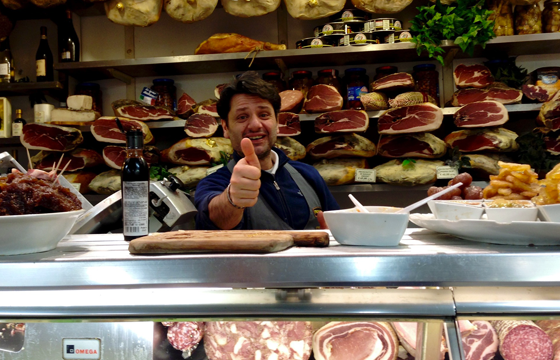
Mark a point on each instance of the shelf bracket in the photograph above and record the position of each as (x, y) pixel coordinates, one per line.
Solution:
(120, 76)
(282, 66)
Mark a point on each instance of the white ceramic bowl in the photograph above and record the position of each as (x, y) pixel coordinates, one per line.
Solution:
(25, 234)
(456, 209)
(507, 214)
(549, 212)
(380, 227)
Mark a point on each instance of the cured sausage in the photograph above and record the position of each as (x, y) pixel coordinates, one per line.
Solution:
(185, 336)
(522, 340)
(552, 328)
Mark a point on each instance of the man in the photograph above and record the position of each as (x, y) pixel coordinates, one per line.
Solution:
(260, 188)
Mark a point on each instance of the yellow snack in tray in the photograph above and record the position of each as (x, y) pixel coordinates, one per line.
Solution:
(549, 192)
(513, 182)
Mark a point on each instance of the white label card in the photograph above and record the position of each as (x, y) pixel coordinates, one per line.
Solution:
(81, 349)
(4, 70)
(214, 169)
(365, 175)
(76, 186)
(446, 172)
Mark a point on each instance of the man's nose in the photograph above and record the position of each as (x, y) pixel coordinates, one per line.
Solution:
(255, 122)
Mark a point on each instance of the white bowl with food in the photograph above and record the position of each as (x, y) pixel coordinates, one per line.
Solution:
(380, 227)
(511, 210)
(33, 233)
(549, 212)
(456, 209)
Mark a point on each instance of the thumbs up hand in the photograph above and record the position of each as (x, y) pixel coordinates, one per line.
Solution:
(245, 179)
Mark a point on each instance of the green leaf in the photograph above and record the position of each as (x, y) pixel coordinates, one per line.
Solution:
(408, 164)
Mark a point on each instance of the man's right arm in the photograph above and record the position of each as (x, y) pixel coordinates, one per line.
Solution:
(243, 191)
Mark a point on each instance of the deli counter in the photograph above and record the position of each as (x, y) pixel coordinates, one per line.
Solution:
(90, 288)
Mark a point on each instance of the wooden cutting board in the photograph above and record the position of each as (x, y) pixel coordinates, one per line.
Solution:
(226, 241)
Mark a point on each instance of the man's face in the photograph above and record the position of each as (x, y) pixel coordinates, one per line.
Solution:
(251, 117)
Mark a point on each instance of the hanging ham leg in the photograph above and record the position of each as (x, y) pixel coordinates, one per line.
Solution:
(230, 43)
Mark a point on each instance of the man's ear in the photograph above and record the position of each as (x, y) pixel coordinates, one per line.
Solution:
(225, 128)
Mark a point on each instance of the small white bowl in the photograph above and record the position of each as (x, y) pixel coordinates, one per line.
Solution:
(549, 212)
(509, 214)
(380, 227)
(25, 234)
(456, 209)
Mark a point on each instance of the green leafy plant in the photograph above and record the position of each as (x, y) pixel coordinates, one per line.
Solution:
(159, 172)
(532, 151)
(466, 24)
(457, 160)
(509, 73)
(224, 159)
(408, 164)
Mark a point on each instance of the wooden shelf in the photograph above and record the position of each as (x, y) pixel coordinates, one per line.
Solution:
(53, 88)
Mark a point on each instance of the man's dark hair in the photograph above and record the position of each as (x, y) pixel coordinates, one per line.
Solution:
(248, 83)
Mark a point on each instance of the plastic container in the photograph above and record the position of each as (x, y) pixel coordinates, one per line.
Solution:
(502, 15)
(356, 81)
(334, 28)
(318, 42)
(427, 80)
(167, 93)
(528, 19)
(93, 90)
(384, 24)
(301, 80)
(334, 39)
(551, 17)
(329, 77)
(275, 78)
(363, 38)
(350, 14)
(402, 36)
(384, 71)
(354, 26)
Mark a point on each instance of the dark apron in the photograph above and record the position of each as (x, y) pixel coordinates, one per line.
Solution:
(262, 217)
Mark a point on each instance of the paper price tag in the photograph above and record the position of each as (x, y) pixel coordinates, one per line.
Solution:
(446, 172)
(214, 169)
(76, 186)
(365, 175)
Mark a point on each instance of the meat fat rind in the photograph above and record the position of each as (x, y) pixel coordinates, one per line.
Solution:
(133, 12)
(313, 9)
(189, 11)
(251, 8)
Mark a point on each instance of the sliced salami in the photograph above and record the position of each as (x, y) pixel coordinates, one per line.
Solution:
(522, 340)
(552, 328)
(185, 336)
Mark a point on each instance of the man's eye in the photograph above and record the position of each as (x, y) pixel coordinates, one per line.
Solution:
(242, 118)
(265, 115)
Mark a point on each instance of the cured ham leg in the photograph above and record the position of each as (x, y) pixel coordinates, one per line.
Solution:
(230, 43)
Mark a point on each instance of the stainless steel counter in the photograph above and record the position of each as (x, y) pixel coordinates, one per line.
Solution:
(424, 258)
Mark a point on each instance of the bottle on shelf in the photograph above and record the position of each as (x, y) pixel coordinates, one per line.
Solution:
(7, 70)
(135, 186)
(68, 42)
(17, 124)
(44, 58)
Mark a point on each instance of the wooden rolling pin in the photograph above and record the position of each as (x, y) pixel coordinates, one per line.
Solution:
(226, 241)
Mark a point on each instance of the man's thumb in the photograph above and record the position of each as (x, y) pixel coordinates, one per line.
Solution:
(249, 152)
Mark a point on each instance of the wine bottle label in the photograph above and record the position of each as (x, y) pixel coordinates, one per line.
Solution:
(41, 67)
(135, 207)
(65, 55)
(4, 70)
(17, 129)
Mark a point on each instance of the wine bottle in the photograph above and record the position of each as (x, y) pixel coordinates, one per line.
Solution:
(44, 58)
(68, 42)
(7, 70)
(135, 187)
(17, 124)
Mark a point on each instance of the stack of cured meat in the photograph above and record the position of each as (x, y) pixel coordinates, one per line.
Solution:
(481, 116)
(302, 340)
(549, 117)
(405, 129)
(196, 153)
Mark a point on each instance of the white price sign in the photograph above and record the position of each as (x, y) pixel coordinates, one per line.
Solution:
(446, 172)
(365, 175)
(88, 349)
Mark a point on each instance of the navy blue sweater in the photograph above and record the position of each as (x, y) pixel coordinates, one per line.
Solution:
(288, 203)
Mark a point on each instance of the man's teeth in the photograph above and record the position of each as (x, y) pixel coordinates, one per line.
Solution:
(255, 137)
